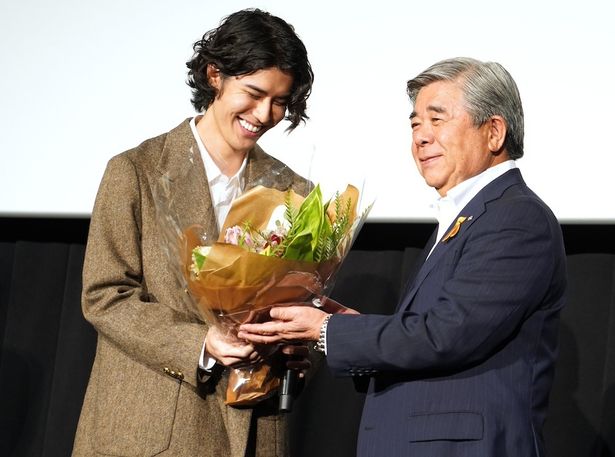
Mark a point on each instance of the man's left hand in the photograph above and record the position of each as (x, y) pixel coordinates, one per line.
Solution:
(298, 358)
(289, 324)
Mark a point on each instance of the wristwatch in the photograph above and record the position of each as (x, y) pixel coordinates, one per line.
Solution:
(321, 345)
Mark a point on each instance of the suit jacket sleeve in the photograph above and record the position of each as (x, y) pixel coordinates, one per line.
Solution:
(117, 299)
(507, 265)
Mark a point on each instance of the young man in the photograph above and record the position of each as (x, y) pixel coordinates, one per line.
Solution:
(154, 349)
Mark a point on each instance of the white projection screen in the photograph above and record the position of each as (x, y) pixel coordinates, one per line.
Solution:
(82, 81)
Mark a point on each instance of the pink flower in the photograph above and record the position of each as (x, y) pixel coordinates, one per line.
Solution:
(233, 235)
(247, 240)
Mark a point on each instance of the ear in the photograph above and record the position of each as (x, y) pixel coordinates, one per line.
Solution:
(213, 76)
(496, 133)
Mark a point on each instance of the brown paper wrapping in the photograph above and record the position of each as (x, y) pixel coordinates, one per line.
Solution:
(236, 286)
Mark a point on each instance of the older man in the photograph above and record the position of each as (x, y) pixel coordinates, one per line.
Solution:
(465, 365)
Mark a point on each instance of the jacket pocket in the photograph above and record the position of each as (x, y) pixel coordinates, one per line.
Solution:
(134, 409)
(454, 425)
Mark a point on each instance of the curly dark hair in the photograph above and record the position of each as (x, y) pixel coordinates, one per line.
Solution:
(245, 42)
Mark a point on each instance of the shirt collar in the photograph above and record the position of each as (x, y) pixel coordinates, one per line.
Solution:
(460, 195)
(447, 208)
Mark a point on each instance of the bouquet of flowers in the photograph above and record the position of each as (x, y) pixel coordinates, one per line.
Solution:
(275, 247)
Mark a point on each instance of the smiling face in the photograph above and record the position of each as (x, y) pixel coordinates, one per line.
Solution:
(244, 109)
(447, 148)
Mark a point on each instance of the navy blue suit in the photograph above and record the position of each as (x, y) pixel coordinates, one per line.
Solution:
(465, 365)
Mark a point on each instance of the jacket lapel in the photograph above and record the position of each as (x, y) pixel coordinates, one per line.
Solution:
(263, 170)
(184, 183)
(471, 212)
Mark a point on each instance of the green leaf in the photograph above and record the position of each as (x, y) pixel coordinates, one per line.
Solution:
(199, 255)
(308, 223)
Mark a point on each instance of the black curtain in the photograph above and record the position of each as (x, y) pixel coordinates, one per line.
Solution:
(47, 346)
(581, 419)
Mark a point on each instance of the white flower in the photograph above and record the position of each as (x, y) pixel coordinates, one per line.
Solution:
(277, 222)
(199, 254)
(203, 250)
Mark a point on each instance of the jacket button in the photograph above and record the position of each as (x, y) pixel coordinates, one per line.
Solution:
(175, 374)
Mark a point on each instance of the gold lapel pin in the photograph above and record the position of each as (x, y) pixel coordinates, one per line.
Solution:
(460, 220)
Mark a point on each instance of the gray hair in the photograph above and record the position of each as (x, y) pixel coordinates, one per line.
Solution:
(488, 89)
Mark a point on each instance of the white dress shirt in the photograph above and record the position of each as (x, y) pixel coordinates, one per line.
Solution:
(447, 208)
(223, 191)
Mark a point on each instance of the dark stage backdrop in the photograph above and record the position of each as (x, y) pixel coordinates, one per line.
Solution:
(47, 347)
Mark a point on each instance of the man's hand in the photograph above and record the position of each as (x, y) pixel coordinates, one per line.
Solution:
(298, 358)
(289, 324)
(231, 351)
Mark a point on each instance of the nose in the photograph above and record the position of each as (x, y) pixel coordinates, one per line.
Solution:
(422, 134)
(262, 111)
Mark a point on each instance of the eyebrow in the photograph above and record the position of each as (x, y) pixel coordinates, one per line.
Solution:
(264, 92)
(437, 109)
(434, 108)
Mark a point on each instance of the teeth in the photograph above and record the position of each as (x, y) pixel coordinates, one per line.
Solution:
(246, 125)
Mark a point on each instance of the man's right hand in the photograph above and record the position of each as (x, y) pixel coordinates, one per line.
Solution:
(230, 351)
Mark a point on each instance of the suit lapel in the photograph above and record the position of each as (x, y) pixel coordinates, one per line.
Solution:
(415, 267)
(262, 169)
(472, 212)
(185, 183)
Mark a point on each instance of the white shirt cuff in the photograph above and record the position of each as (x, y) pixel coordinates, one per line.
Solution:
(206, 362)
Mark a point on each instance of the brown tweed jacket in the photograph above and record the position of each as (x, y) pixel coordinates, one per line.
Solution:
(142, 398)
